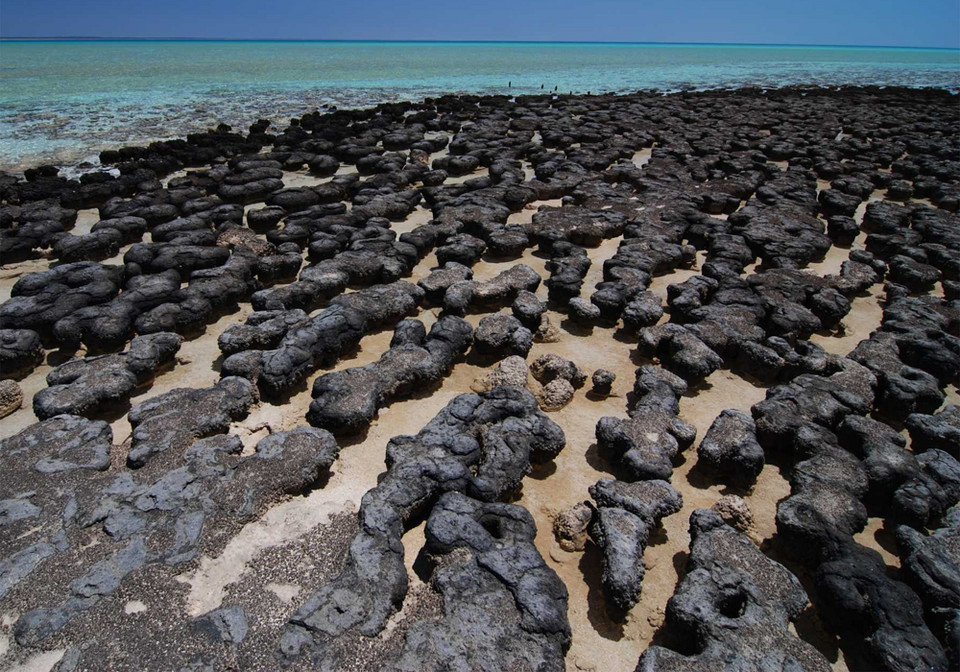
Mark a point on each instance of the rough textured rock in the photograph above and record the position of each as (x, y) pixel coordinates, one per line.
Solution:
(172, 421)
(228, 624)
(735, 512)
(602, 381)
(824, 401)
(901, 389)
(558, 378)
(932, 568)
(879, 619)
(436, 284)
(730, 448)
(582, 311)
(83, 535)
(333, 332)
(262, 330)
(626, 515)
(529, 309)
(547, 332)
(680, 351)
(462, 248)
(733, 606)
(500, 336)
(348, 400)
(162, 518)
(940, 431)
(580, 226)
(506, 286)
(567, 266)
(20, 351)
(82, 386)
(570, 527)
(39, 300)
(510, 371)
(644, 445)
(480, 445)
(924, 497)
(644, 310)
(503, 607)
(11, 397)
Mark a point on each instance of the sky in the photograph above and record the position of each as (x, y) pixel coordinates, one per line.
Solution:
(917, 23)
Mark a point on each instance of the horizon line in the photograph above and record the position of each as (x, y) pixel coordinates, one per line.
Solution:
(85, 38)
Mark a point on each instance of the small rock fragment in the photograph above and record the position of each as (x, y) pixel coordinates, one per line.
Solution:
(735, 512)
(570, 527)
(11, 397)
(602, 381)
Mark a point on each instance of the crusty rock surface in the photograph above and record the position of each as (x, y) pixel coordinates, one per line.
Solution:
(11, 397)
(60, 492)
(685, 236)
(570, 527)
(347, 401)
(645, 444)
(730, 448)
(602, 381)
(83, 386)
(734, 603)
(626, 515)
(173, 420)
(499, 336)
(510, 371)
(557, 380)
(479, 445)
(735, 512)
(484, 555)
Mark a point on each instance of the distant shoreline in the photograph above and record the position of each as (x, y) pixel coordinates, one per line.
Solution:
(78, 159)
(62, 97)
(765, 45)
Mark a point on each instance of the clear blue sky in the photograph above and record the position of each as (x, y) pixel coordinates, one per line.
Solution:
(922, 23)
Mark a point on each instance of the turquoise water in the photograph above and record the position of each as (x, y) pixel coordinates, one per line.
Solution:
(64, 100)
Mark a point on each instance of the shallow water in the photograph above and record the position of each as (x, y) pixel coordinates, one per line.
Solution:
(64, 100)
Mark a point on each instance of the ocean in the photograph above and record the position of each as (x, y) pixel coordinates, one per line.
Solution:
(64, 100)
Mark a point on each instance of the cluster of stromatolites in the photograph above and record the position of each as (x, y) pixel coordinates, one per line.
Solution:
(469, 228)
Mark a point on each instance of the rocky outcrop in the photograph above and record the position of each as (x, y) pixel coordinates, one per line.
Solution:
(499, 336)
(172, 421)
(931, 567)
(324, 338)
(498, 292)
(347, 401)
(83, 386)
(483, 554)
(644, 445)
(733, 604)
(730, 448)
(625, 516)
(162, 519)
(20, 351)
(479, 445)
